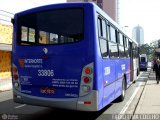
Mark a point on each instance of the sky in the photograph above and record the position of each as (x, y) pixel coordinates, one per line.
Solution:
(20, 5)
(145, 13)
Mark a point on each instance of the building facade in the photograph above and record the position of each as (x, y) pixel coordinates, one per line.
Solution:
(6, 30)
(109, 6)
(138, 34)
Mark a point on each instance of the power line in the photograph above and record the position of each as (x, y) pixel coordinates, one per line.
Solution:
(5, 20)
(46, 1)
(50, 1)
(42, 2)
(7, 12)
(35, 3)
(5, 15)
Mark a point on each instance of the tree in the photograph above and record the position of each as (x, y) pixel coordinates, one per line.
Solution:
(147, 49)
(144, 49)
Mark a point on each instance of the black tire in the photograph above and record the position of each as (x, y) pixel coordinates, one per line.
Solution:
(122, 96)
(134, 81)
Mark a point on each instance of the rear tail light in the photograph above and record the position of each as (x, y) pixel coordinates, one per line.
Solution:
(15, 78)
(86, 88)
(88, 70)
(16, 84)
(86, 80)
(14, 70)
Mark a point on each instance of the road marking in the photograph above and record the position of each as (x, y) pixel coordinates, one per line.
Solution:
(20, 106)
(130, 100)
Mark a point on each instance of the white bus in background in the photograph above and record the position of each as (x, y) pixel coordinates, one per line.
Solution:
(143, 64)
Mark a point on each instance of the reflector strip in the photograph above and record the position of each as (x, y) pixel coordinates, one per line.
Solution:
(84, 102)
(87, 102)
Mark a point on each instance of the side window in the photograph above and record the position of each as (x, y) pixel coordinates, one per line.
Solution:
(130, 46)
(102, 31)
(134, 50)
(99, 27)
(121, 38)
(113, 50)
(121, 51)
(121, 46)
(126, 42)
(112, 43)
(103, 46)
(108, 31)
(126, 47)
(113, 34)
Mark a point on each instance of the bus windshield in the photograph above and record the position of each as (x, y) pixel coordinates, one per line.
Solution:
(51, 27)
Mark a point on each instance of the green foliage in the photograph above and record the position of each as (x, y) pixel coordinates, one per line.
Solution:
(147, 49)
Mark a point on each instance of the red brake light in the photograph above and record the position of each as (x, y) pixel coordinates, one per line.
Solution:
(15, 77)
(86, 79)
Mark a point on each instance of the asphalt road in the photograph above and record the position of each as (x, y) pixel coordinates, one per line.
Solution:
(27, 112)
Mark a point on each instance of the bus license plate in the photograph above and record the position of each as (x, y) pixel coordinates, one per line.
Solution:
(46, 90)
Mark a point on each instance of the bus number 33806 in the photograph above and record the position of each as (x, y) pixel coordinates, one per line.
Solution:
(45, 72)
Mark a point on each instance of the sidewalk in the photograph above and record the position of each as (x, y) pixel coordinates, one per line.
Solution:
(150, 100)
(5, 84)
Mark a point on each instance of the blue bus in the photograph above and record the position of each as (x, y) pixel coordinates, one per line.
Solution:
(143, 62)
(71, 56)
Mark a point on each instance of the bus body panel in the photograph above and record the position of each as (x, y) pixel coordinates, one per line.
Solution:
(114, 72)
(56, 75)
(122, 69)
(109, 78)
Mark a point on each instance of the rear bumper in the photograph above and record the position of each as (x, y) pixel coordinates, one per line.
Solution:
(64, 103)
(143, 68)
(47, 102)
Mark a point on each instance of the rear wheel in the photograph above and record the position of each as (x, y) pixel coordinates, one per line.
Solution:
(122, 96)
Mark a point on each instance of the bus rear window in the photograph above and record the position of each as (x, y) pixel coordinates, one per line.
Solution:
(51, 27)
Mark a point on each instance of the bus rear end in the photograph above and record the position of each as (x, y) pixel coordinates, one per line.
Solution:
(52, 60)
(143, 62)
